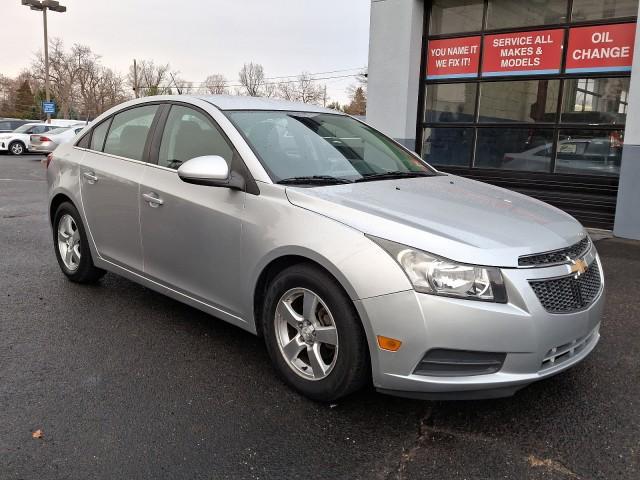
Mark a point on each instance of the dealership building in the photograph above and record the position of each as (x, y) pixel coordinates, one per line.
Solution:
(532, 95)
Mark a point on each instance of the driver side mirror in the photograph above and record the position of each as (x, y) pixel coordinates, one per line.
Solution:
(211, 170)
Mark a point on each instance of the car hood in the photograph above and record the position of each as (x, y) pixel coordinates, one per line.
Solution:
(453, 217)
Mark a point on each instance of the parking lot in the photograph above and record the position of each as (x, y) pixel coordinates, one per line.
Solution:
(126, 383)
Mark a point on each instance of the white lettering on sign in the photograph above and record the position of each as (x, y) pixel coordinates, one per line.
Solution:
(603, 52)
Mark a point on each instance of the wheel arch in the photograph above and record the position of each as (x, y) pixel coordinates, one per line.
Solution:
(280, 263)
(56, 201)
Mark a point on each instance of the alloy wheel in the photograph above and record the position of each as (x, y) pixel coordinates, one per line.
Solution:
(69, 242)
(306, 333)
(17, 148)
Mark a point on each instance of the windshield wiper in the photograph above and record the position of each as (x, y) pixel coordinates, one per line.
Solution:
(367, 177)
(314, 179)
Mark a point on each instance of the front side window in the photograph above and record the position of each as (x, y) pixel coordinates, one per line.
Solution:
(128, 133)
(189, 134)
(302, 144)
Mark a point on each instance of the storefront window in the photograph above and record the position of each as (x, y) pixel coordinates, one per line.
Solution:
(451, 102)
(448, 146)
(595, 100)
(589, 152)
(514, 149)
(456, 16)
(603, 9)
(508, 14)
(520, 101)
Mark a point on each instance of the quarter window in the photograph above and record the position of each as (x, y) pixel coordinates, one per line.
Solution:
(128, 133)
(99, 134)
(189, 134)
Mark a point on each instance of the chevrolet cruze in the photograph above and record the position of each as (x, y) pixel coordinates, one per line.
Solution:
(354, 259)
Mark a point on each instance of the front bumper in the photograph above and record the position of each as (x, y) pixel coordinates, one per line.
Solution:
(522, 329)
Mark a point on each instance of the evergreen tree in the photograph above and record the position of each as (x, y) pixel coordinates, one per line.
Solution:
(25, 104)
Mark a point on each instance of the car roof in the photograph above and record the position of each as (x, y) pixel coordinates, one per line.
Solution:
(239, 102)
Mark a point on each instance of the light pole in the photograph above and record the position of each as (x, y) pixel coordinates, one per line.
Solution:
(43, 6)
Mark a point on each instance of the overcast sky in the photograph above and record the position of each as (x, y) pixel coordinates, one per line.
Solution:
(201, 37)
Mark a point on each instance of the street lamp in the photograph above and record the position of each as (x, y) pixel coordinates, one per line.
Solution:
(43, 6)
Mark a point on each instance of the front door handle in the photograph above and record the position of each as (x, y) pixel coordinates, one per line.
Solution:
(152, 199)
(90, 176)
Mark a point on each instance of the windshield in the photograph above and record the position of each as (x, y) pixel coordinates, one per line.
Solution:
(308, 147)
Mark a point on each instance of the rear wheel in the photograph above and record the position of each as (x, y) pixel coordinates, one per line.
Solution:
(71, 246)
(313, 334)
(16, 148)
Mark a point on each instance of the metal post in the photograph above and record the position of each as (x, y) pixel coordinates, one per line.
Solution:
(46, 60)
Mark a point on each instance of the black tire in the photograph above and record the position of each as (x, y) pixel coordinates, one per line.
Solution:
(86, 271)
(351, 370)
(17, 148)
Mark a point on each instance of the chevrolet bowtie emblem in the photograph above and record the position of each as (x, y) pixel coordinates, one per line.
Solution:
(578, 267)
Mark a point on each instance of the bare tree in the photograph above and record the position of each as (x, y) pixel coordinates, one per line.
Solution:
(63, 75)
(308, 90)
(216, 84)
(251, 78)
(287, 91)
(152, 79)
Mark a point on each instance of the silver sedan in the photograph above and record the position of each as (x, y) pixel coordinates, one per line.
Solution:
(355, 260)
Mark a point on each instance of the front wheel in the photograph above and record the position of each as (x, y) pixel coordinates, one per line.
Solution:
(313, 334)
(16, 148)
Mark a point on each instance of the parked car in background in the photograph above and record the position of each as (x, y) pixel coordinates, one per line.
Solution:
(354, 259)
(10, 124)
(18, 141)
(48, 141)
(595, 156)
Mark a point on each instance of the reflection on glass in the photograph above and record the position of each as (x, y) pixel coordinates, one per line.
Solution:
(454, 16)
(589, 152)
(596, 100)
(448, 146)
(450, 103)
(507, 13)
(601, 9)
(514, 149)
(519, 101)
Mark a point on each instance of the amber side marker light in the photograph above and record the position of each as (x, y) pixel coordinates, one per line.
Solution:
(390, 344)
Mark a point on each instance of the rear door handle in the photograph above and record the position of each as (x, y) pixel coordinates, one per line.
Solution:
(90, 176)
(152, 199)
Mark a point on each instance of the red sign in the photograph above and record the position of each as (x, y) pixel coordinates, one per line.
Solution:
(453, 58)
(523, 53)
(605, 48)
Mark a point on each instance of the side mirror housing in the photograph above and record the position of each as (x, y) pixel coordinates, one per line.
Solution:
(211, 170)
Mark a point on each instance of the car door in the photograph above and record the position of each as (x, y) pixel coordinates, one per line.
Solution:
(110, 175)
(191, 233)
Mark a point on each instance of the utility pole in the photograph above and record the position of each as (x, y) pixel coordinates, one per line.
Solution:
(135, 78)
(43, 6)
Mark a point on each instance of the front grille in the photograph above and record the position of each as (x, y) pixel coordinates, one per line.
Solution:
(562, 353)
(556, 256)
(568, 294)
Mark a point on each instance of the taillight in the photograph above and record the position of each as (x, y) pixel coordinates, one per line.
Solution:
(48, 160)
(44, 139)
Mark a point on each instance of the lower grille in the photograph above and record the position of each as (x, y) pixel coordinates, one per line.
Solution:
(441, 362)
(562, 353)
(568, 294)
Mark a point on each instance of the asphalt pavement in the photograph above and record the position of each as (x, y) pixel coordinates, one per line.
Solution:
(125, 383)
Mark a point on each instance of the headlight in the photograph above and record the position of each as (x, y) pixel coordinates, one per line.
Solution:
(439, 276)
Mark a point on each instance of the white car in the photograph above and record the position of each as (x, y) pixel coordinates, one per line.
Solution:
(18, 141)
(47, 142)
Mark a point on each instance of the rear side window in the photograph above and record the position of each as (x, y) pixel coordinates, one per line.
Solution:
(129, 131)
(5, 126)
(99, 134)
(189, 134)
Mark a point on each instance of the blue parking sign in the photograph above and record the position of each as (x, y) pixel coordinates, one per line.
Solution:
(48, 107)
